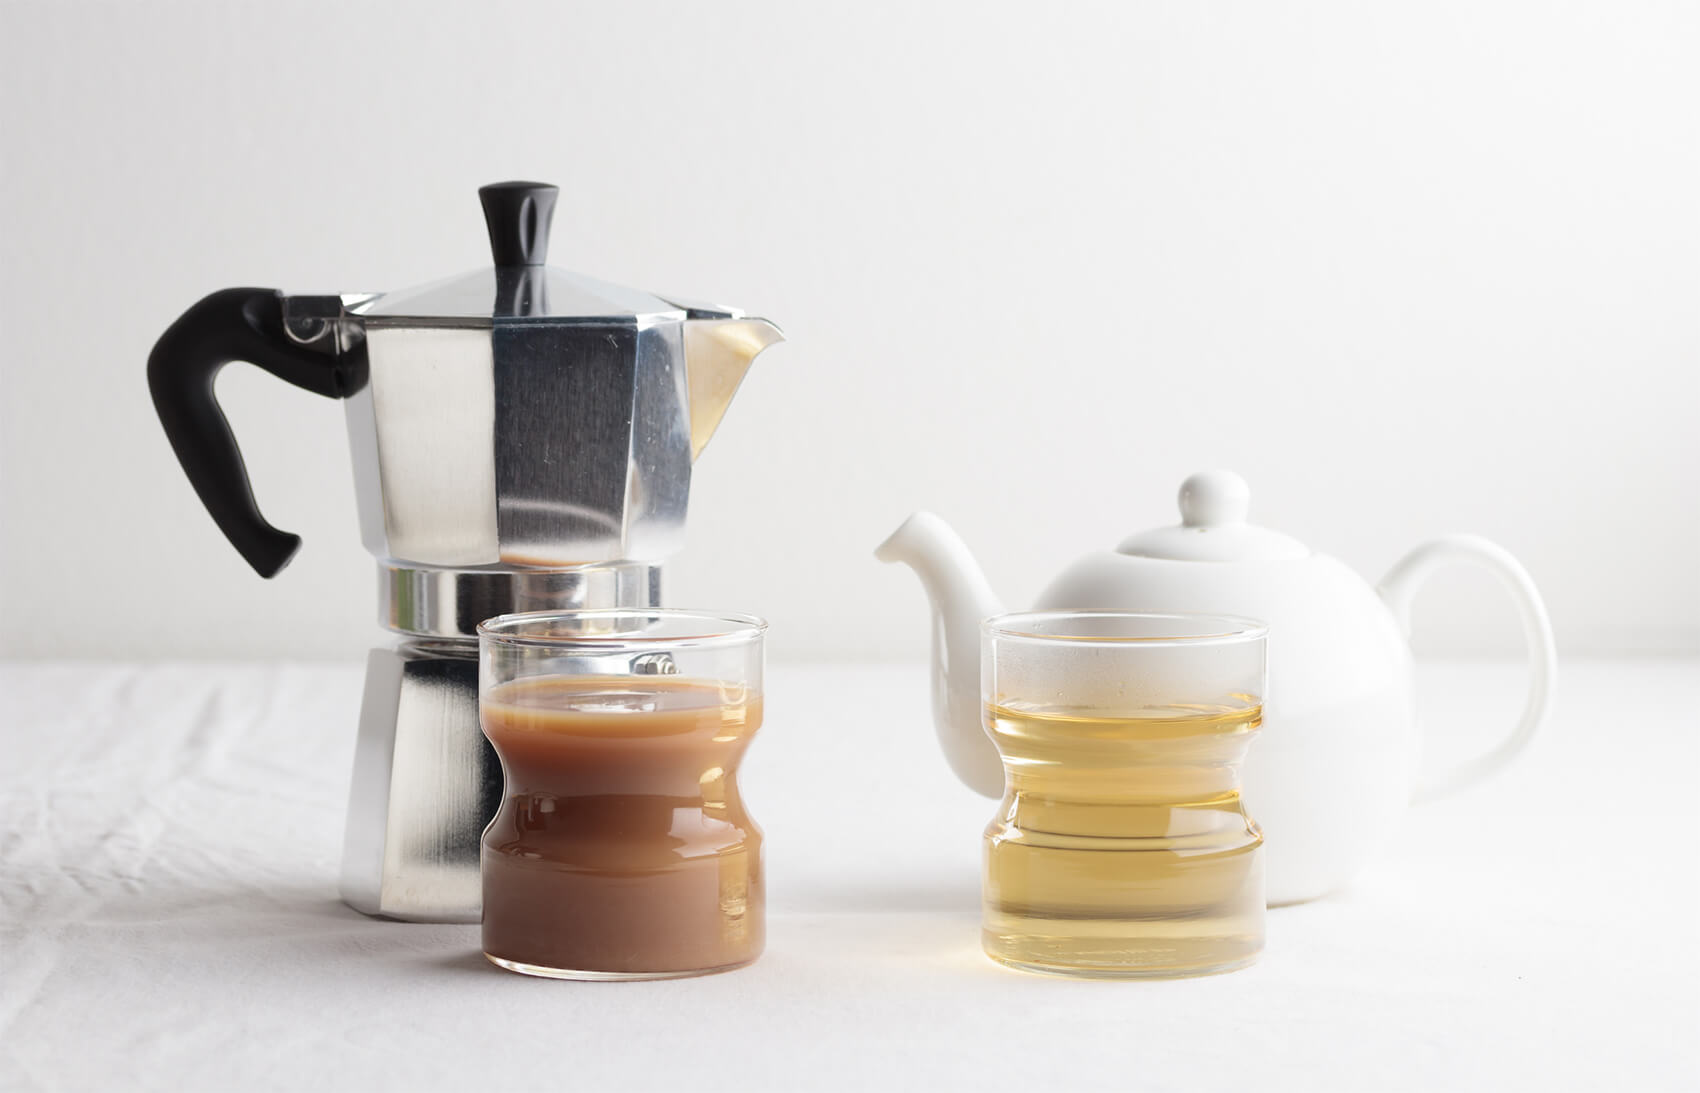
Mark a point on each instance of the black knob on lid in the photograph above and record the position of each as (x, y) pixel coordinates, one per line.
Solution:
(518, 216)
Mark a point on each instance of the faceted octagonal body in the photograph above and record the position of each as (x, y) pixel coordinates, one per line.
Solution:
(522, 443)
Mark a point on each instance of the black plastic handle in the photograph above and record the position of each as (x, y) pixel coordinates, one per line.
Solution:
(236, 324)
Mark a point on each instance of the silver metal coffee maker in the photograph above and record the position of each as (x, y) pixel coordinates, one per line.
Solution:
(522, 440)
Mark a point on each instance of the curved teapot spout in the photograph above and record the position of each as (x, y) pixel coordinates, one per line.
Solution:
(961, 599)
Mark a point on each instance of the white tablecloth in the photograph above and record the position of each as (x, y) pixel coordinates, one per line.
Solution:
(169, 839)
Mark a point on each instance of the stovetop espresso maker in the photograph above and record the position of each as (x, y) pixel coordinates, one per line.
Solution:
(522, 439)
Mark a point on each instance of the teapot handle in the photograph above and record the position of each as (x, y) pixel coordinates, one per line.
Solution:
(1399, 588)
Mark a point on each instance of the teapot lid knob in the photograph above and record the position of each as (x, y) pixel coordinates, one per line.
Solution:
(1214, 499)
(1213, 527)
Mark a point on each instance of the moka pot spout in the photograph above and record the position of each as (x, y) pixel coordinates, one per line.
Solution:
(961, 599)
(718, 352)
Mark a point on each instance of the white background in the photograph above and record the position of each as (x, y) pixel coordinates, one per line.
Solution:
(1411, 268)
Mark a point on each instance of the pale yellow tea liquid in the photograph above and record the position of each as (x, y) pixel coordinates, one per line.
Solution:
(1122, 849)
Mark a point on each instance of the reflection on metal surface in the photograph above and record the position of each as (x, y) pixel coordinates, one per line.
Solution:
(452, 602)
(430, 417)
(425, 784)
(554, 445)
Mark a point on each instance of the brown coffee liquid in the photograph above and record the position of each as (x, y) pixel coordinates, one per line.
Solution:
(622, 847)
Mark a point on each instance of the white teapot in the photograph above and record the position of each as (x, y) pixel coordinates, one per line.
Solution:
(1338, 757)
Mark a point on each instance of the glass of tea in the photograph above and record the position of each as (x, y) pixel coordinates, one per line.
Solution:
(621, 849)
(1121, 849)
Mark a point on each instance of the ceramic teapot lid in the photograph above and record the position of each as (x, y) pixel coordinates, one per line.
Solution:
(1213, 528)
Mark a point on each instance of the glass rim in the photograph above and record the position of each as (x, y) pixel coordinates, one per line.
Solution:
(721, 628)
(1229, 629)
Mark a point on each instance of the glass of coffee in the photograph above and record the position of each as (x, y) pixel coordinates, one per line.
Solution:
(621, 849)
(1121, 849)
